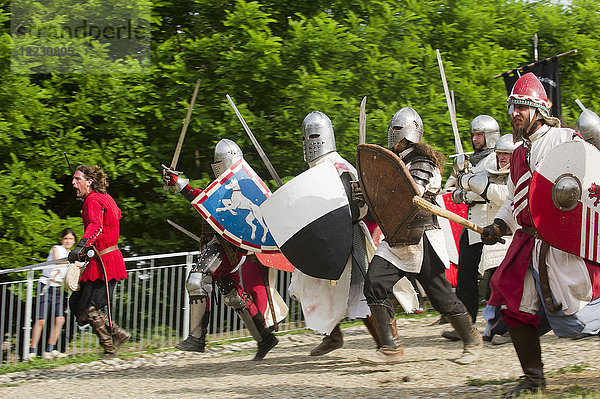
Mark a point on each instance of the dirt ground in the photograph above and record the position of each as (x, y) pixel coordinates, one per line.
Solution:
(288, 371)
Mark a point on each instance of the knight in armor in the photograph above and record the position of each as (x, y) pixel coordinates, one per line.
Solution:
(419, 254)
(484, 193)
(516, 284)
(318, 143)
(219, 264)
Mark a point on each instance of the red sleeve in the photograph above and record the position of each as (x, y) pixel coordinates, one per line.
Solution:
(190, 192)
(195, 191)
(92, 220)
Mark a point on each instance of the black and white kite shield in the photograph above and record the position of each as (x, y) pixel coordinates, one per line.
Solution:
(309, 218)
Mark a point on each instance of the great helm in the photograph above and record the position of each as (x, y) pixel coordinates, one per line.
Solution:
(406, 123)
(588, 124)
(488, 126)
(226, 154)
(528, 90)
(317, 136)
(505, 144)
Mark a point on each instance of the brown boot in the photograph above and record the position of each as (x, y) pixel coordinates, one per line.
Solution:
(526, 341)
(370, 324)
(119, 336)
(331, 342)
(472, 340)
(384, 355)
(395, 335)
(99, 323)
(391, 351)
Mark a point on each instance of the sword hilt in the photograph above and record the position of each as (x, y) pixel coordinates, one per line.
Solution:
(85, 256)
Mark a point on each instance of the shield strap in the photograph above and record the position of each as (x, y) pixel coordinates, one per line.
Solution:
(228, 248)
(544, 281)
(543, 271)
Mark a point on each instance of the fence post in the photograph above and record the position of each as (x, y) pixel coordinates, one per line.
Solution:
(189, 263)
(27, 318)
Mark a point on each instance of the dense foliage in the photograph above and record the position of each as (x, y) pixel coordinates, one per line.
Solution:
(278, 60)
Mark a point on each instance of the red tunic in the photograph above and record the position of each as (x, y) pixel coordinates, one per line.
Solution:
(101, 222)
(507, 282)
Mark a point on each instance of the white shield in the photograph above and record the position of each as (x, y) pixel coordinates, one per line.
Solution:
(309, 219)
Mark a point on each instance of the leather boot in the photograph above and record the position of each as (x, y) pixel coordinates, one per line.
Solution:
(370, 324)
(196, 344)
(268, 341)
(391, 351)
(472, 340)
(119, 336)
(395, 335)
(99, 323)
(332, 341)
(526, 341)
(450, 335)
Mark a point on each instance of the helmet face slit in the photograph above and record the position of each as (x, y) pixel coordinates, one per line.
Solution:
(405, 124)
(227, 153)
(318, 137)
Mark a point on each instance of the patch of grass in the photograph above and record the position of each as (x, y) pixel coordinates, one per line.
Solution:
(576, 368)
(576, 391)
(426, 314)
(477, 382)
(573, 392)
(40, 363)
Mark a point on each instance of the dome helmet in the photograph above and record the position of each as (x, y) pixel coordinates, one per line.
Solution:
(588, 124)
(227, 153)
(406, 123)
(505, 144)
(488, 126)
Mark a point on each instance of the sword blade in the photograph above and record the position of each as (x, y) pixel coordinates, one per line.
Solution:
(362, 122)
(35, 266)
(457, 142)
(183, 230)
(262, 154)
(185, 126)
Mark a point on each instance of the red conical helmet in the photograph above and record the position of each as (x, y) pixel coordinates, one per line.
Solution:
(528, 90)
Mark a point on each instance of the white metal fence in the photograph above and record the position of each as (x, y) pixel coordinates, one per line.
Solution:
(151, 303)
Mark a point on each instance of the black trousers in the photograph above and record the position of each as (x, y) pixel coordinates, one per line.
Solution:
(383, 275)
(91, 293)
(467, 277)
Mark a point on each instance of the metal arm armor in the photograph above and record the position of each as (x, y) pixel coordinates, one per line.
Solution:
(421, 170)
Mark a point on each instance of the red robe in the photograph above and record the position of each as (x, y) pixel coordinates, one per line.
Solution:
(101, 222)
(507, 282)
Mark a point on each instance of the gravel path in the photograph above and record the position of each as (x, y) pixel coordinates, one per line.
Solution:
(288, 371)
